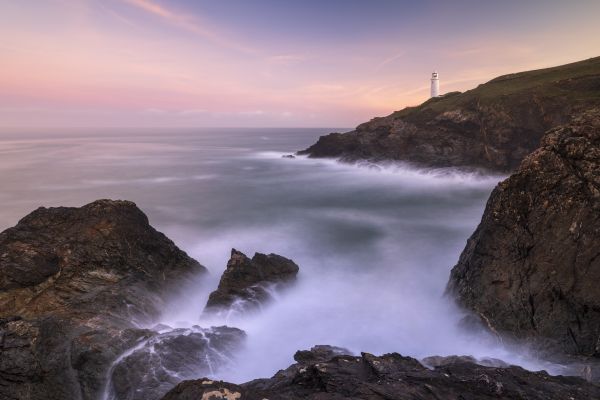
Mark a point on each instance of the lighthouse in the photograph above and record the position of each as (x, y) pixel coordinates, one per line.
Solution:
(435, 85)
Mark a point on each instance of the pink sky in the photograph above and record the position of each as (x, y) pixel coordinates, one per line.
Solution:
(178, 63)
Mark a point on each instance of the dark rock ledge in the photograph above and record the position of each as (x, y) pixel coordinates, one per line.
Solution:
(325, 376)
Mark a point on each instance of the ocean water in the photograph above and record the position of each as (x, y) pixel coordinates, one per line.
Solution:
(375, 244)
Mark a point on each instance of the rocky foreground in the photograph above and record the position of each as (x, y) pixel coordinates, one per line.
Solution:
(320, 374)
(77, 288)
(493, 126)
(532, 267)
(76, 284)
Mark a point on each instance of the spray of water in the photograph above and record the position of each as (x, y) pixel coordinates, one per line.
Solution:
(375, 247)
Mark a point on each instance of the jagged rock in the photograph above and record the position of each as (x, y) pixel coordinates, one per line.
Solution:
(166, 359)
(493, 126)
(73, 282)
(532, 267)
(438, 361)
(319, 353)
(392, 376)
(246, 283)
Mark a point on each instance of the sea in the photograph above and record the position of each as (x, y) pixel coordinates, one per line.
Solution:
(375, 243)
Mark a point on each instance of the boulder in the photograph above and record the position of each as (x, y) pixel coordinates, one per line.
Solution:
(531, 269)
(247, 284)
(391, 376)
(75, 285)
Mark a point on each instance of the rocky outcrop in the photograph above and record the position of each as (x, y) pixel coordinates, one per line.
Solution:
(75, 283)
(101, 259)
(248, 283)
(391, 376)
(493, 126)
(164, 360)
(532, 267)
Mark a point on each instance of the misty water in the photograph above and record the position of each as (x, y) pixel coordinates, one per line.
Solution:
(375, 245)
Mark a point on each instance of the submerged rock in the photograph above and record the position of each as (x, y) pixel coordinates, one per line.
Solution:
(73, 284)
(391, 376)
(247, 283)
(532, 267)
(164, 360)
(493, 126)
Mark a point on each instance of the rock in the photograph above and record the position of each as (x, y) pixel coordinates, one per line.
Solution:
(101, 259)
(392, 376)
(532, 267)
(493, 126)
(166, 359)
(205, 389)
(319, 353)
(247, 283)
(288, 156)
(438, 361)
(75, 283)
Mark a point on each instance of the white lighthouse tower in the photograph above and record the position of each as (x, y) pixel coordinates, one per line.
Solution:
(435, 85)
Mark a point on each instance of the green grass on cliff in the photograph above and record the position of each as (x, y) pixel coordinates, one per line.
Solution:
(579, 81)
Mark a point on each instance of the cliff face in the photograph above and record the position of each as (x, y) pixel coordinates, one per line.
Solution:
(73, 282)
(532, 267)
(493, 126)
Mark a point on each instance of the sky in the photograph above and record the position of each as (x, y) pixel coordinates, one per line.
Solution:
(266, 63)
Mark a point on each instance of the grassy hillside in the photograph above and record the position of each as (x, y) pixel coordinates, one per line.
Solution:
(550, 82)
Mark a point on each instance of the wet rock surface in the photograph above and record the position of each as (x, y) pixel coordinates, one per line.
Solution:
(247, 283)
(73, 284)
(166, 359)
(493, 126)
(532, 267)
(438, 361)
(392, 376)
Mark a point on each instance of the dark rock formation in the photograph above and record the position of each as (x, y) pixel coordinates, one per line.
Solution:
(493, 126)
(103, 258)
(319, 353)
(246, 283)
(164, 360)
(392, 376)
(438, 361)
(532, 267)
(73, 282)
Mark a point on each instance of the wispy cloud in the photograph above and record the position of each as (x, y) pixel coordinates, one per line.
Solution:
(389, 60)
(287, 59)
(190, 23)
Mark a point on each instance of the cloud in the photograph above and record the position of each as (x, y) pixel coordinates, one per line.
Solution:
(287, 59)
(154, 111)
(189, 23)
(197, 111)
(389, 60)
(253, 113)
